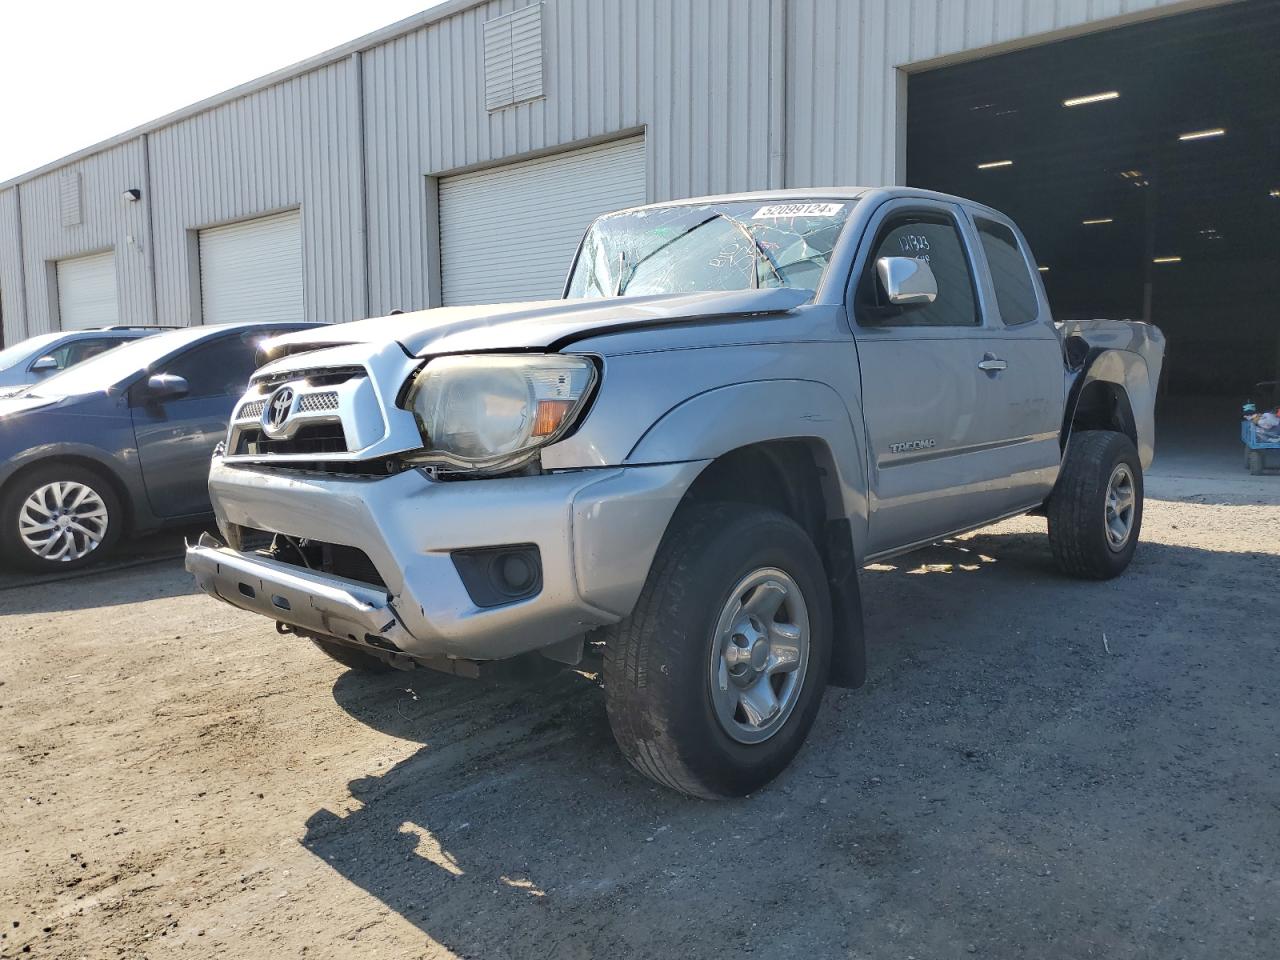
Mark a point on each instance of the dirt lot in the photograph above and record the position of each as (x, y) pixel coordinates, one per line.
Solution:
(1037, 768)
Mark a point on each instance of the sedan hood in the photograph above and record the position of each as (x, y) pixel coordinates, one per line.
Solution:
(539, 324)
(11, 405)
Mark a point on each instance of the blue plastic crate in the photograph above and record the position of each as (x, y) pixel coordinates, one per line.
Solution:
(1249, 434)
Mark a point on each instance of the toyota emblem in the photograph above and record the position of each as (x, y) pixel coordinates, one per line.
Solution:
(278, 409)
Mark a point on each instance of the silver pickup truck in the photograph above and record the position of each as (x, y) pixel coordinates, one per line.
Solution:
(739, 402)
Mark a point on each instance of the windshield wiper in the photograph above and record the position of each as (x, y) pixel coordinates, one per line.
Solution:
(757, 255)
(621, 285)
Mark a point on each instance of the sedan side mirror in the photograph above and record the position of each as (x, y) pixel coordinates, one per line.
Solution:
(907, 282)
(44, 364)
(166, 386)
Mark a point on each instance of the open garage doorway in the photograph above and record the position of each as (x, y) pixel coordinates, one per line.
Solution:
(1143, 164)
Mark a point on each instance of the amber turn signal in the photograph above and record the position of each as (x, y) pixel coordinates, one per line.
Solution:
(550, 416)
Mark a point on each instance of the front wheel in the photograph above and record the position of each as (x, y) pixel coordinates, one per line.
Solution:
(714, 680)
(59, 517)
(1095, 512)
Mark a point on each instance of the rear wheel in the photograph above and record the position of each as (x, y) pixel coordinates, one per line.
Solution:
(59, 517)
(714, 680)
(1256, 466)
(1095, 512)
(352, 657)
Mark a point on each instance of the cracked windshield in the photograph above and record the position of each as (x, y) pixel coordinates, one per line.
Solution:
(688, 248)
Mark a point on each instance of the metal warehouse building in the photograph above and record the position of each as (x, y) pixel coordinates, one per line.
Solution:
(457, 156)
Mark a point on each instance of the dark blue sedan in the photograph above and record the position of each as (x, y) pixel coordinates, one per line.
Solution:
(119, 444)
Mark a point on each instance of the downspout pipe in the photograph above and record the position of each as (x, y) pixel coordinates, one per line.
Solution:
(777, 94)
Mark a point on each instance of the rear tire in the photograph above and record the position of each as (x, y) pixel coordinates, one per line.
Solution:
(1256, 466)
(59, 517)
(351, 657)
(1095, 512)
(736, 597)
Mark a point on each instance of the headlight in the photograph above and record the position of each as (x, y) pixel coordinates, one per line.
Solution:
(490, 412)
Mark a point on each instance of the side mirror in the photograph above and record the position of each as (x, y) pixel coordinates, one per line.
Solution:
(907, 282)
(45, 364)
(166, 386)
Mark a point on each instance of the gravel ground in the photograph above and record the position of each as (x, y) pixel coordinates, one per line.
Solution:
(1037, 768)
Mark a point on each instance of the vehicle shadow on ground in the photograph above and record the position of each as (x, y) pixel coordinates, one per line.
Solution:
(100, 589)
(108, 583)
(1001, 786)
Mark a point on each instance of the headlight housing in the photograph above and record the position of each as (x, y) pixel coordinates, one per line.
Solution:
(492, 412)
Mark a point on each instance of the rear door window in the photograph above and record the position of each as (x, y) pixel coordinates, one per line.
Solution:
(1010, 273)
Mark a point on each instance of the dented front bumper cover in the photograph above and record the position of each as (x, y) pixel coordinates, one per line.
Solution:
(596, 532)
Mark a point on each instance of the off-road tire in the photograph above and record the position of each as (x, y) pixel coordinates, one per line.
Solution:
(657, 662)
(14, 552)
(351, 657)
(1077, 508)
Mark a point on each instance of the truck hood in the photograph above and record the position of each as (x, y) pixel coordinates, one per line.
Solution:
(539, 324)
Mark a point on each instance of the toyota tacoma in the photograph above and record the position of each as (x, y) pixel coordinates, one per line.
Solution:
(739, 402)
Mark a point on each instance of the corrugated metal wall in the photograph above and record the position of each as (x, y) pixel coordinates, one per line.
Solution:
(845, 90)
(294, 145)
(12, 311)
(107, 222)
(693, 74)
(703, 79)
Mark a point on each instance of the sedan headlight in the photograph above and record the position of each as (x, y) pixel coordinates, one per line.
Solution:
(491, 412)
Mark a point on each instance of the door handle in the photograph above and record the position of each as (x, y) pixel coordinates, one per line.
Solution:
(992, 364)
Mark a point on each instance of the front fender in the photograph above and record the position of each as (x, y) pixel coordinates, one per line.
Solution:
(124, 470)
(718, 421)
(711, 424)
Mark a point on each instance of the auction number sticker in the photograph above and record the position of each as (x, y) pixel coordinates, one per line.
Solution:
(776, 210)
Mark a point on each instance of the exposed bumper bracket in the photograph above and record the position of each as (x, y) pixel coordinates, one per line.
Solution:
(318, 603)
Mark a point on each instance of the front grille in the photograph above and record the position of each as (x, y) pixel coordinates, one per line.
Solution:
(251, 410)
(311, 439)
(311, 402)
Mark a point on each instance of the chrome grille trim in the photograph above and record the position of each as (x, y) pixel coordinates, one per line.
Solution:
(318, 401)
(342, 411)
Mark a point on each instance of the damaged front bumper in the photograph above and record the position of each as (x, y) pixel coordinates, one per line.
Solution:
(595, 534)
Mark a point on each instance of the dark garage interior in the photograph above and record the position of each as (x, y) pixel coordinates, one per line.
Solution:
(1143, 164)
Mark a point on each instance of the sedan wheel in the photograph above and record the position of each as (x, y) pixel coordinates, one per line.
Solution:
(59, 517)
(63, 521)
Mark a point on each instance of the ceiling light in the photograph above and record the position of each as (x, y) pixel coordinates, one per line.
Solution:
(1275, 193)
(1202, 134)
(1130, 174)
(992, 164)
(1094, 223)
(1091, 98)
(1043, 269)
(1166, 260)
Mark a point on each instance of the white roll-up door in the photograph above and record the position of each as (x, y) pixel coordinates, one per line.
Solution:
(252, 270)
(510, 232)
(87, 292)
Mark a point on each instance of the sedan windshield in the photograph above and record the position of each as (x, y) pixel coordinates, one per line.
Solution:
(32, 347)
(108, 369)
(691, 248)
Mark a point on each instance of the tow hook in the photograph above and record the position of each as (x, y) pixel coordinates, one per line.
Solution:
(284, 629)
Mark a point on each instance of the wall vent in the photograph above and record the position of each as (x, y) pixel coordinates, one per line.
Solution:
(513, 58)
(69, 198)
